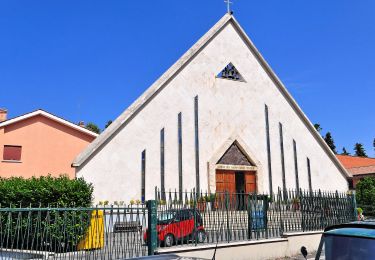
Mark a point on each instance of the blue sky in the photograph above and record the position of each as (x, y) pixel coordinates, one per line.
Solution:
(89, 60)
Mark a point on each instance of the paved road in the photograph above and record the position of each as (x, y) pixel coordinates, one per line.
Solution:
(300, 257)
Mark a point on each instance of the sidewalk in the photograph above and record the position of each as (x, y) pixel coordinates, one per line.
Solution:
(300, 257)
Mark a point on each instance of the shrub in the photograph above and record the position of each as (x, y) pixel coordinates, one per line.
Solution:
(45, 191)
(50, 230)
(365, 191)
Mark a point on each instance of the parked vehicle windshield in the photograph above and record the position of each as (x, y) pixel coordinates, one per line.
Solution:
(166, 216)
(346, 247)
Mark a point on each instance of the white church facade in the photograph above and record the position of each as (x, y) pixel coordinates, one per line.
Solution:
(218, 120)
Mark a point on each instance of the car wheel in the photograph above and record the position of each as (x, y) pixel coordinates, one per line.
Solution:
(169, 240)
(201, 236)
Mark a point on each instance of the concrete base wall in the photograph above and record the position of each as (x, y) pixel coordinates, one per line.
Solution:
(289, 245)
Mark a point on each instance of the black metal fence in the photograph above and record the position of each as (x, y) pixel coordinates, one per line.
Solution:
(322, 209)
(73, 233)
(226, 217)
(190, 218)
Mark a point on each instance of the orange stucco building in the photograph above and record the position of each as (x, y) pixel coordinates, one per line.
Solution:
(39, 143)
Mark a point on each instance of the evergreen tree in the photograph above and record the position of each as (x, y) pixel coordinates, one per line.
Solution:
(108, 123)
(359, 150)
(318, 128)
(93, 127)
(329, 140)
(373, 144)
(344, 152)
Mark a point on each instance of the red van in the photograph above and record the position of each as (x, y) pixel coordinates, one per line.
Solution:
(175, 225)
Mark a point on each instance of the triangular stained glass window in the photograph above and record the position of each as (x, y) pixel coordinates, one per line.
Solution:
(230, 72)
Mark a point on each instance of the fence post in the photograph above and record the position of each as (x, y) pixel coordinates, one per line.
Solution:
(152, 221)
(227, 205)
(265, 214)
(303, 206)
(354, 203)
(196, 194)
(321, 211)
(249, 219)
(337, 212)
(281, 215)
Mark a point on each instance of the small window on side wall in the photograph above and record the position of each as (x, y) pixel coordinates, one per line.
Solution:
(12, 153)
(351, 186)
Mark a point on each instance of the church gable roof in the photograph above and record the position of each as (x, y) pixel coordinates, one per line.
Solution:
(155, 88)
(133, 109)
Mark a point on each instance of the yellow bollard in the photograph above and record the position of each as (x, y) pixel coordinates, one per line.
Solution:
(94, 237)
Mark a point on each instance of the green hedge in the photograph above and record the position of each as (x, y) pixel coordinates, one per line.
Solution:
(46, 230)
(45, 191)
(365, 195)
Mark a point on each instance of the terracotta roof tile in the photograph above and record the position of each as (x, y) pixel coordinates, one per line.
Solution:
(362, 170)
(355, 161)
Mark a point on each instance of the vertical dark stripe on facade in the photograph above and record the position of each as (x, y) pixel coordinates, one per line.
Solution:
(196, 126)
(268, 148)
(143, 181)
(282, 155)
(162, 169)
(296, 163)
(309, 173)
(179, 136)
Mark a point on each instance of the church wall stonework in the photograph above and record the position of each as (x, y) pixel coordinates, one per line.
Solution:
(228, 111)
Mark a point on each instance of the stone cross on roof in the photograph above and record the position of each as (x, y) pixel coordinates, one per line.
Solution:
(228, 2)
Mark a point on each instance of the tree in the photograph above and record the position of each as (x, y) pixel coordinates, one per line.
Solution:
(93, 127)
(318, 128)
(359, 150)
(329, 140)
(365, 194)
(373, 144)
(108, 123)
(344, 152)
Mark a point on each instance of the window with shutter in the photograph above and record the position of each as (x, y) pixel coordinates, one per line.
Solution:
(12, 153)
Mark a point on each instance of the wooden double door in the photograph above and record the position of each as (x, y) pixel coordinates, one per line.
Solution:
(235, 181)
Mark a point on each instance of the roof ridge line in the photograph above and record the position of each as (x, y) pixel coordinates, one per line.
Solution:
(153, 89)
(50, 116)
